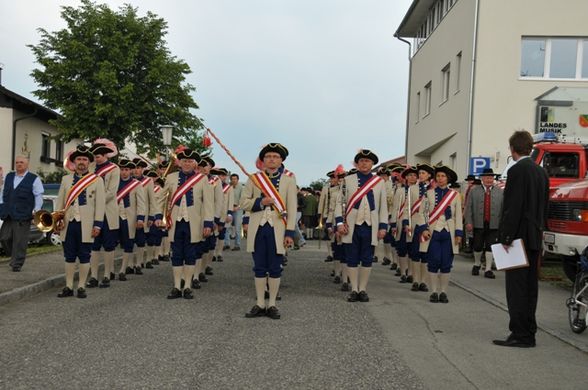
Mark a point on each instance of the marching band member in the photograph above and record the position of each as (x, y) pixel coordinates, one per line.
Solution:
(81, 196)
(155, 233)
(442, 234)
(191, 213)
(226, 216)
(337, 248)
(270, 198)
(103, 149)
(362, 219)
(323, 210)
(164, 248)
(130, 198)
(390, 240)
(150, 207)
(384, 173)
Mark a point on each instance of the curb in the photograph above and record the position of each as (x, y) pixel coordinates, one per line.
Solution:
(552, 332)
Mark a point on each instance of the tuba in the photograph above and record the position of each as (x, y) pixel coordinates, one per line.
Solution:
(46, 221)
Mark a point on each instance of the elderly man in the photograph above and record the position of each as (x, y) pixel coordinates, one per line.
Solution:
(22, 196)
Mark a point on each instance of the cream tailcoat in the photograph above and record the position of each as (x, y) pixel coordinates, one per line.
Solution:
(455, 223)
(111, 180)
(137, 207)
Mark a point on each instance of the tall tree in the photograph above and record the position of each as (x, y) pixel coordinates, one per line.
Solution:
(111, 75)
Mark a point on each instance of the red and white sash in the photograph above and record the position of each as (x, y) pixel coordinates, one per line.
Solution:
(288, 173)
(401, 210)
(79, 187)
(226, 188)
(181, 191)
(145, 181)
(263, 182)
(103, 171)
(361, 192)
(442, 206)
(213, 180)
(131, 185)
(156, 189)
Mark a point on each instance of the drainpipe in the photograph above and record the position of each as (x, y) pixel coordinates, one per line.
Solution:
(472, 86)
(14, 134)
(408, 94)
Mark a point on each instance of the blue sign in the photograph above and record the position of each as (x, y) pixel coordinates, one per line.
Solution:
(478, 164)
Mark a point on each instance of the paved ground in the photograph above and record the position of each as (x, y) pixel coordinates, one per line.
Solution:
(130, 336)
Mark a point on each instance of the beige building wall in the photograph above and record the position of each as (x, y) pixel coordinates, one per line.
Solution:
(503, 101)
(6, 136)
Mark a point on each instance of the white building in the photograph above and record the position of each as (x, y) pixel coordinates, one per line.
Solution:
(478, 70)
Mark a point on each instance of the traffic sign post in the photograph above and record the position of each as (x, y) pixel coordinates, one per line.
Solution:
(478, 164)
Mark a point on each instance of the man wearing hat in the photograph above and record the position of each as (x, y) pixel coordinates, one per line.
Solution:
(323, 205)
(191, 214)
(164, 249)
(226, 215)
(82, 199)
(390, 242)
(155, 233)
(270, 197)
(379, 251)
(130, 198)
(362, 220)
(106, 240)
(443, 231)
(400, 221)
(150, 207)
(482, 217)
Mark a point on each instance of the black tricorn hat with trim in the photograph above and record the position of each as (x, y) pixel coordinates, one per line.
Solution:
(451, 175)
(139, 163)
(274, 147)
(100, 149)
(188, 154)
(162, 165)
(220, 171)
(126, 163)
(331, 174)
(150, 173)
(206, 160)
(366, 153)
(81, 151)
(408, 170)
(426, 168)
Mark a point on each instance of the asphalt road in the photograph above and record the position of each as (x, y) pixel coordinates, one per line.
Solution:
(131, 336)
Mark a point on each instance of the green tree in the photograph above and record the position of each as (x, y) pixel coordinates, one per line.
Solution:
(318, 185)
(111, 75)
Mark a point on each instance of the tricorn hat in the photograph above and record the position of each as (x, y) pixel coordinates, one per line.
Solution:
(352, 171)
(366, 153)
(331, 174)
(426, 168)
(470, 177)
(397, 169)
(162, 165)
(81, 150)
(451, 175)
(188, 154)
(276, 148)
(206, 160)
(125, 163)
(220, 171)
(139, 162)
(150, 173)
(100, 148)
(383, 171)
(409, 169)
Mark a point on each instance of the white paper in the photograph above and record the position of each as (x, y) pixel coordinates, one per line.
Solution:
(514, 258)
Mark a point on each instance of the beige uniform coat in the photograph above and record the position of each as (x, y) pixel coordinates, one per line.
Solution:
(151, 206)
(92, 211)
(288, 191)
(379, 215)
(137, 207)
(111, 180)
(396, 215)
(228, 202)
(453, 224)
(202, 210)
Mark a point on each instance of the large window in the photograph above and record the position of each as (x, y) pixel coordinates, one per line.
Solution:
(59, 151)
(45, 148)
(554, 58)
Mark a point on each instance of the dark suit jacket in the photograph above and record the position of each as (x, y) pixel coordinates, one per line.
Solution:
(524, 209)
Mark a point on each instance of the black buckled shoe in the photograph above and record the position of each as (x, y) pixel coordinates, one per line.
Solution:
(423, 287)
(202, 277)
(398, 273)
(353, 297)
(164, 258)
(386, 261)
(409, 279)
(196, 284)
(155, 262)
(255, 311)
(273, 313)
(329, 259)
(112, 276)
(375, 259)
(403, 279)
(188, 294)
(345, 286)
(208, 271)
(443, 298)
(174, 294)
(66, 292)
(363, 297)
(476, 270)
(214, 258)
(138, 271)
(415, 287)
(82, 292)
(148, 265)
(337, 279)
(122, 277)
(92, 282)
(129, 270)
(489, 275)
(434, 298)
(219, 259)
(394, 267)
(105, 283)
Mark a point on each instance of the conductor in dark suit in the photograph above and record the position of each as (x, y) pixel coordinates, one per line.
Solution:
(523, 216)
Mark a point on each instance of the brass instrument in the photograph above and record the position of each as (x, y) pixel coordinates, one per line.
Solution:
(46, 221)
(165, 219)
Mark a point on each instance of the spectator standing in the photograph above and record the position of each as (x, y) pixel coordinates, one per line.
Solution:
(236, 226)
(309, 213)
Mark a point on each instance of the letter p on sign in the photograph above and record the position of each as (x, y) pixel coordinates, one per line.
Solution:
(478, 164)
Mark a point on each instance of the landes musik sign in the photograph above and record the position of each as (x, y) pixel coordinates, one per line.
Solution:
(555, 127)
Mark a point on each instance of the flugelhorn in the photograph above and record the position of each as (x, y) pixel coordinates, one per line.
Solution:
(46, 221)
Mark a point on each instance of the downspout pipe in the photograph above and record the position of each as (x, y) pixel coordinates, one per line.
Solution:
(408, 94)
(472, 87)
(14, 134)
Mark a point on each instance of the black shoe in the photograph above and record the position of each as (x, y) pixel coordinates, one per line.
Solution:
(196, 284)
(188, 294)
(82, 292)
(155, 262)
(363, 297)
(164, 258)
(332, 273)
(394, 267)
(403, 279)
(112, 276)
(93, 282)
(214, 258)
(278, 297)
(423, 287)
(208, 271)
(386, 261)
(476, 270)
(219, 259)
(226, 247)
(443, 298)
(255, 311)
(66, 292)
(434, 298)
(174, 294)
(489, 275)
(16, 269)
(236, 249)
(148, 265)
(512, 342)
(329, 259)
(122, 277)
(337, 279)
(202, 277)
(138, 271)
(409, 279)
(345, 287)
(375, 259)
(105, 283)
(273, 313)
(129, 270)
(415, 287)
(353, 297)
(398, 273)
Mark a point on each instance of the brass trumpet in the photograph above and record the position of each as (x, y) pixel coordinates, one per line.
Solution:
(46, 221)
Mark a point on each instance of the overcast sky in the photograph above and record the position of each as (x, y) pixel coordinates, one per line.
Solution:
(323, 77)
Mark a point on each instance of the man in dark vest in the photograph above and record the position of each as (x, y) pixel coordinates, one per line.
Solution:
(22, 196)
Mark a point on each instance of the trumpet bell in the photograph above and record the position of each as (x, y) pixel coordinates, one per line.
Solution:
(43, 220)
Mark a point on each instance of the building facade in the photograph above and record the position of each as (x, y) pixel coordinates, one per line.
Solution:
(477, 69)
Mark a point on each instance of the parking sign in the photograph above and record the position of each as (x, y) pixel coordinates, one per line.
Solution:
(478, 164)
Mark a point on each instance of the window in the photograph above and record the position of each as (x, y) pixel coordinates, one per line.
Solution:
(59, 150)
(445, 82)
(46, 148)
(457, 71)
(428, 98)
(554, 58)
(452, 158)
(418, 106)
(561, 164)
